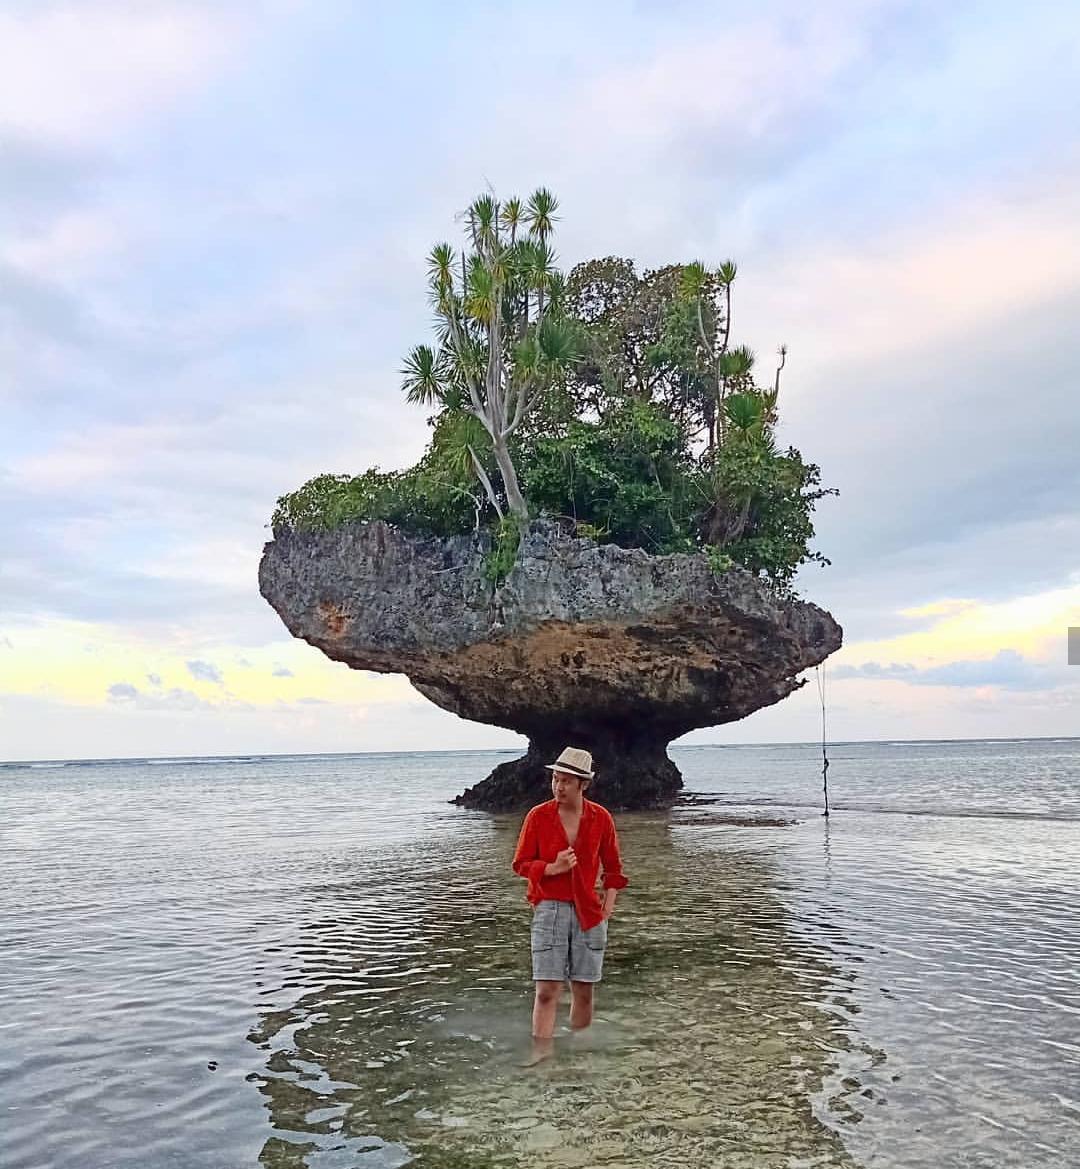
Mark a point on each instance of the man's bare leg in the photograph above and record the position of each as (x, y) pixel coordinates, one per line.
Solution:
(581, 1004)
(546, 1008)
(545, 1011)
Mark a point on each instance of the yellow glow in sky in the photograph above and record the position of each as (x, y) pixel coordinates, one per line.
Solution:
(78, 662)
(964, 629)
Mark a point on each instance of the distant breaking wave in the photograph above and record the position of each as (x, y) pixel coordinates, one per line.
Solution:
(721, 800)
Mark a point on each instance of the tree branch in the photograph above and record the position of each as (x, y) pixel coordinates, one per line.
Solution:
(701, 325)
(482, 475)
(463, 365)
(783, 362)
(520, 407)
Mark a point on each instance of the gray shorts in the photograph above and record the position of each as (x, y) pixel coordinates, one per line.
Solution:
(561, 949)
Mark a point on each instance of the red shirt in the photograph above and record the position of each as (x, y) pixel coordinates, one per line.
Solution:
(541, 840)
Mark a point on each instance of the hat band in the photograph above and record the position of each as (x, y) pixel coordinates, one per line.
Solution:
(569, 769)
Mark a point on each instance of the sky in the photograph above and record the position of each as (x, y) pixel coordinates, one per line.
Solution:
(213, 224)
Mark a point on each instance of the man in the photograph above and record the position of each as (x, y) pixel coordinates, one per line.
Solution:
(561, 848)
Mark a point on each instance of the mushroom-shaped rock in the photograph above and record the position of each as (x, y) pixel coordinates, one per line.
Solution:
(597, 646)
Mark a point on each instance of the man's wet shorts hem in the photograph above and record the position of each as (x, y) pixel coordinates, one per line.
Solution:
(561, 949)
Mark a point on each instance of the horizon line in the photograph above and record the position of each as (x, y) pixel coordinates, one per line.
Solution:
(262, 755)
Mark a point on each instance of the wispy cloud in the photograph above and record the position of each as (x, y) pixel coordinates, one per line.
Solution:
(77, 72)
(175, 699)
(1007, 669)
(205, 672)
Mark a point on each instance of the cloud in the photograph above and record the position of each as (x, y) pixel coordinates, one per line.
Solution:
(154, 679)
(75, 240)
(205, 672)
(181, 507)
(946, 607)
(282, 672)
(86, 555)
(112, 729)
(873, 670)
(776, 76)
(174, 699)
(73, 72)
(204, 299)
(36, 309)
(1007, 670)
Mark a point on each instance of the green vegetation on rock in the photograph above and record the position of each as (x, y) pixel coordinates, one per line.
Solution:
(613, 401)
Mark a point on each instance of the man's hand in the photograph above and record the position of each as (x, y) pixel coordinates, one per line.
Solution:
(608, 906)
(563, 863)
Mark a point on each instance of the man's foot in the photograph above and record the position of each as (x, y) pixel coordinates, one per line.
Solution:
(541, 1049)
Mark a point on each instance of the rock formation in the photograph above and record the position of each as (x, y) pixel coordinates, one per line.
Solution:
(597, 646)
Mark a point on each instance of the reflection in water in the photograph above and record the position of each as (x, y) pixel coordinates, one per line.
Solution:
(715, 1028)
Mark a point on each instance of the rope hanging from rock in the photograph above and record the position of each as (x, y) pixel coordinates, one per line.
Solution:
(820, 672)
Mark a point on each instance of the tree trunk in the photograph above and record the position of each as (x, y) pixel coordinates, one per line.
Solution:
(514, 499)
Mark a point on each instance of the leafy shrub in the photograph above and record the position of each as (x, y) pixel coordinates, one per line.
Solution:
(308, 508)
(506, 539)
(624, 475)
(414, 501)
(719, 562)
(760, 510)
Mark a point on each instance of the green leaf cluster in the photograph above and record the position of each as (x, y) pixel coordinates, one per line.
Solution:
(759, 512)
(614, 400)
(413, 501)
(505, 541)
(625, 476)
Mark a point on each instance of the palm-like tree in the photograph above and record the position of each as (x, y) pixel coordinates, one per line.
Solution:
(540, 213)
(738, 415)
(513, 216)
(502, 337)
(749, 416)
(710, 294)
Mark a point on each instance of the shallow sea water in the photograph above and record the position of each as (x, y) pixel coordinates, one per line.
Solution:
(318, 962)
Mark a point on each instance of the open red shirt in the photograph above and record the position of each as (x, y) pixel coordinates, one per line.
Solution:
(541, 840)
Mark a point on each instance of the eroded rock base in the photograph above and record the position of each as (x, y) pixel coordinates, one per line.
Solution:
(630, 775)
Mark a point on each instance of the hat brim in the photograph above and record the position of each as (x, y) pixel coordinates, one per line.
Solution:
(567, 769)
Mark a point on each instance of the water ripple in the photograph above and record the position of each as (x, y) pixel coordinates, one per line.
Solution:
(316, 962)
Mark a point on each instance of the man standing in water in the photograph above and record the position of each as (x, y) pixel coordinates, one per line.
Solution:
(561, 848)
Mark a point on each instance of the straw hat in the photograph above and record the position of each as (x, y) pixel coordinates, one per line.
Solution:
(573, 761)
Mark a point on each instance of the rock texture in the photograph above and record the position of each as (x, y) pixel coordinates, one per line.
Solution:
(593, 645)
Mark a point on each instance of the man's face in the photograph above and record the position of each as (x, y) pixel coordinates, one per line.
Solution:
(565, 787)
